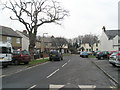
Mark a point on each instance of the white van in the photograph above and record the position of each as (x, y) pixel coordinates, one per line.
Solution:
(5, 53)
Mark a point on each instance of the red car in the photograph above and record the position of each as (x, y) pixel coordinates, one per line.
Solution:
(111, 52)
(22, 56)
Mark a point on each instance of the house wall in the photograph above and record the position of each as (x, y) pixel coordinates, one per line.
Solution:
(107, 45)
(116, 44)
(14, 43)
(88, 48)
(25, 41)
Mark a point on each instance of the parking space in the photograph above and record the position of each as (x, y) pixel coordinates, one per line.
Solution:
(12, 69)
(112, 71)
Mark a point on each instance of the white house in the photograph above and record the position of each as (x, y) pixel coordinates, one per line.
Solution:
(25, 40)
(110, 40)
(87, 47)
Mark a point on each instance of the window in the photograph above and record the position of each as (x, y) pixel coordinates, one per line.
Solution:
(9, 39)
(25, 52)
(96, 44)
(96, 49)
(18, 40)
(16, 52)
(5, 50)
(118, 41)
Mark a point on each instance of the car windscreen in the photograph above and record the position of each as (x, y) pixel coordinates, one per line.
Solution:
(5, 50)
(16, 52)
(25, 52)
(114, 53)
(54, 52)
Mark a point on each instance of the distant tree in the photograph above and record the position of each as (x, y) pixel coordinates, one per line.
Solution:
(35, 13)
(75, 44)
(82, 39)
(90, 39)
(60, 43)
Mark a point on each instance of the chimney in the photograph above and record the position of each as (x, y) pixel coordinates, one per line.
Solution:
(104, 29)
(25, 32)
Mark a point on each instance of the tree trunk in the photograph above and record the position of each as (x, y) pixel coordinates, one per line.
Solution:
(32, 39)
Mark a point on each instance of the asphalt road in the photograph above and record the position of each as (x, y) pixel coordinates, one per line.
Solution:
(72, 72)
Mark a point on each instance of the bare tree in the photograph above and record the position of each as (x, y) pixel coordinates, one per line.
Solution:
(90, 39)
(34, 13)
(60, 42)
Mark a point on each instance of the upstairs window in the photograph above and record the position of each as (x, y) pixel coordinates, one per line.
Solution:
(18, 40)
(9, 39)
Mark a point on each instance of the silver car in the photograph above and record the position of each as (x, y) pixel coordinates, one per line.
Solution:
(115, 59)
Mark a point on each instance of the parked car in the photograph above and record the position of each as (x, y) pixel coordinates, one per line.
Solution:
(111, 52)
(90, 53)
(102, 55)
(22, 56)
(115, 59)
(84, 54)
(55, 55)
(95, 53)
(5, 53)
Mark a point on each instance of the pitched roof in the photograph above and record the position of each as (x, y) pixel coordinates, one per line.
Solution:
(112, 33)
(6, 31)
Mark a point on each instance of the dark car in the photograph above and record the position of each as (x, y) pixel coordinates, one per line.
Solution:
(55, 55)
(84, 54)
(22, 56)
(102, 55)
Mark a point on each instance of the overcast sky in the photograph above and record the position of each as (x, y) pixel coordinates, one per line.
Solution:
(86, 16)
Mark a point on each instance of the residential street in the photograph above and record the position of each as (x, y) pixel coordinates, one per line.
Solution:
(72, 72)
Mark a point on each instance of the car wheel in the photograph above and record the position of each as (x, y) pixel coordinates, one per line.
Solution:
(16, 62)
(26, 62)
(113, 65)
(60, 59)
(101, 58)
(50, 59)
(5, 65)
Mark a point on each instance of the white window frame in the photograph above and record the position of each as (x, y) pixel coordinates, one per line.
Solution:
(18, 40)
(9, 39)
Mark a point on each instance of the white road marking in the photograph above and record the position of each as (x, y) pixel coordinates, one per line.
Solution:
(32, 87)
(1, 76)
(27, 68)
(52, 73)
(82, 87)
(113, 82)
(113, 88)
(69, 60)
(64, 64)
(87, 86)
(55, 87)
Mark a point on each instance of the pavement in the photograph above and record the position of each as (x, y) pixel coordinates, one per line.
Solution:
(112, 72)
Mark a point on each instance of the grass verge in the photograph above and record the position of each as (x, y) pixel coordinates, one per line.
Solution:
(66, 54)
(91, 56)
(38, 61)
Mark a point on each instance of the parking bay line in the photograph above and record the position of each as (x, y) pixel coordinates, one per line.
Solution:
(26, 68)
(52, 73)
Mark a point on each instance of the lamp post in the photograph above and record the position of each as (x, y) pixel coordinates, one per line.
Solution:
(43, 42)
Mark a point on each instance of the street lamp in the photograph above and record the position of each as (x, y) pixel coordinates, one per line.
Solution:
(43, 42)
